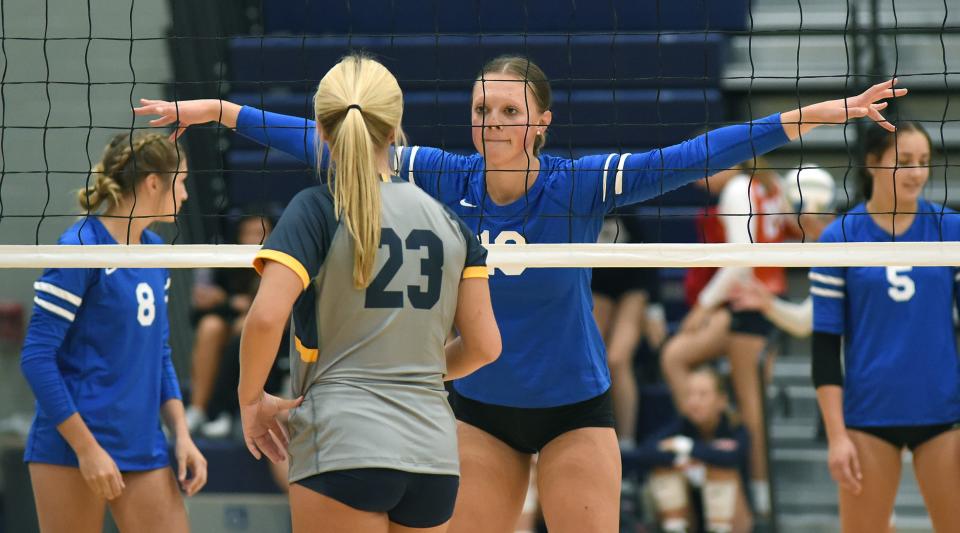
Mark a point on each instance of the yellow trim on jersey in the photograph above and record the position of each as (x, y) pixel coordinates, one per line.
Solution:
(284, 259)
(476, 272)
(307, 355)
(385, 178)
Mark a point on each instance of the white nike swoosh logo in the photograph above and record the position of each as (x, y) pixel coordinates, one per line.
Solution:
(109, 271)
(465, 203)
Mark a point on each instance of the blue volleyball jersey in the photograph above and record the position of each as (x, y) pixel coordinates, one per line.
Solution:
(97, 345)
(900, 352)
(553, 353)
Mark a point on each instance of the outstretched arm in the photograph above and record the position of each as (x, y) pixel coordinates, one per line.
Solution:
(627, 179)
(866, 104)
(186, 113)
(294, 136)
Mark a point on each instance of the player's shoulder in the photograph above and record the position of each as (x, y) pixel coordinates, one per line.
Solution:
(945, 218)
(847, 226)
(424, 200)
(86, 230)
(150, 237)
(314, 200)
(432, 157)
(587, 163)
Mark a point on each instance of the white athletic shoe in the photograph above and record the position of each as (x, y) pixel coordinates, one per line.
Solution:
(218, 428)
(195, 418)
(761, 496)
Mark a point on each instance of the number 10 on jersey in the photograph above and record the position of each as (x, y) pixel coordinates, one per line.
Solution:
(504, 237)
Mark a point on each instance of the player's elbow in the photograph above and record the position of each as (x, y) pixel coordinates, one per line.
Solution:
(264, 318)
(484, 348)
(492, 346)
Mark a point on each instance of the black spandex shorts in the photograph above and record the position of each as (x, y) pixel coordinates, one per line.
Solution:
(750, 323)
(411, 500)
(615, 282)
(528, 430)
(909, 436)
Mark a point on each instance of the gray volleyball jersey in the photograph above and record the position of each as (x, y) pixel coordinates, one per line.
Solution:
(370, 363)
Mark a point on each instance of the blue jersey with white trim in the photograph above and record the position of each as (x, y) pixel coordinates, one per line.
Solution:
(553, 353)
(900, 352)
(97, 345)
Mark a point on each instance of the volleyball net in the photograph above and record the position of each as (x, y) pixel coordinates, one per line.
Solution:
(626, 77)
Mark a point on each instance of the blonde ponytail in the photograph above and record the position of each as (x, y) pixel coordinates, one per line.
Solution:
(359, 106)
(103, 188)
(124, 164)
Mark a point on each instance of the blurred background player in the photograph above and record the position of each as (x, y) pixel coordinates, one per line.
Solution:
(752, 208)
(627, 310)
(815, 207)
(221, 299)
(705, 453)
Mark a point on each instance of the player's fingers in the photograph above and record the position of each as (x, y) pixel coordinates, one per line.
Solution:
(841, 478)
(116, 482)
(879, 119)
(103, 488)
(182, 468)
(280, 446)
(252, 447)
(109, 486)
(281, 433)
(888, 93)
(284, 404)
(882, 86)
(271, 448)
(162, 121)
(266, 445)
(855, 467)
(146, 110)
(849, 482)
(95, 486)
(199, 478)
(856, 112)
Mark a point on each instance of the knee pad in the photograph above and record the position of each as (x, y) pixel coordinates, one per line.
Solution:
(720, 503)
(669, 491)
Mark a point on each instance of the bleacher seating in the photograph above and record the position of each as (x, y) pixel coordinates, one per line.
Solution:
(501, 16)
(427, 62)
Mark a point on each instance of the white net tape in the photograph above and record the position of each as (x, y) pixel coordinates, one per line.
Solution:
(520, 255)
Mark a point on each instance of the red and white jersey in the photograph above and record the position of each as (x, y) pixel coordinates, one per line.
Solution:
(748, 212)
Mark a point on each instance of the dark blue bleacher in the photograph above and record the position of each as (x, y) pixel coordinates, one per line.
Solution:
(453, 61)
(498, 16)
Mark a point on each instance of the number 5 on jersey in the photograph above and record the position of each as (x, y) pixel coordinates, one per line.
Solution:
(901, 287)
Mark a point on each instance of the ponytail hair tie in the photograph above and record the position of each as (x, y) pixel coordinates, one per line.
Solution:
(355, 106)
